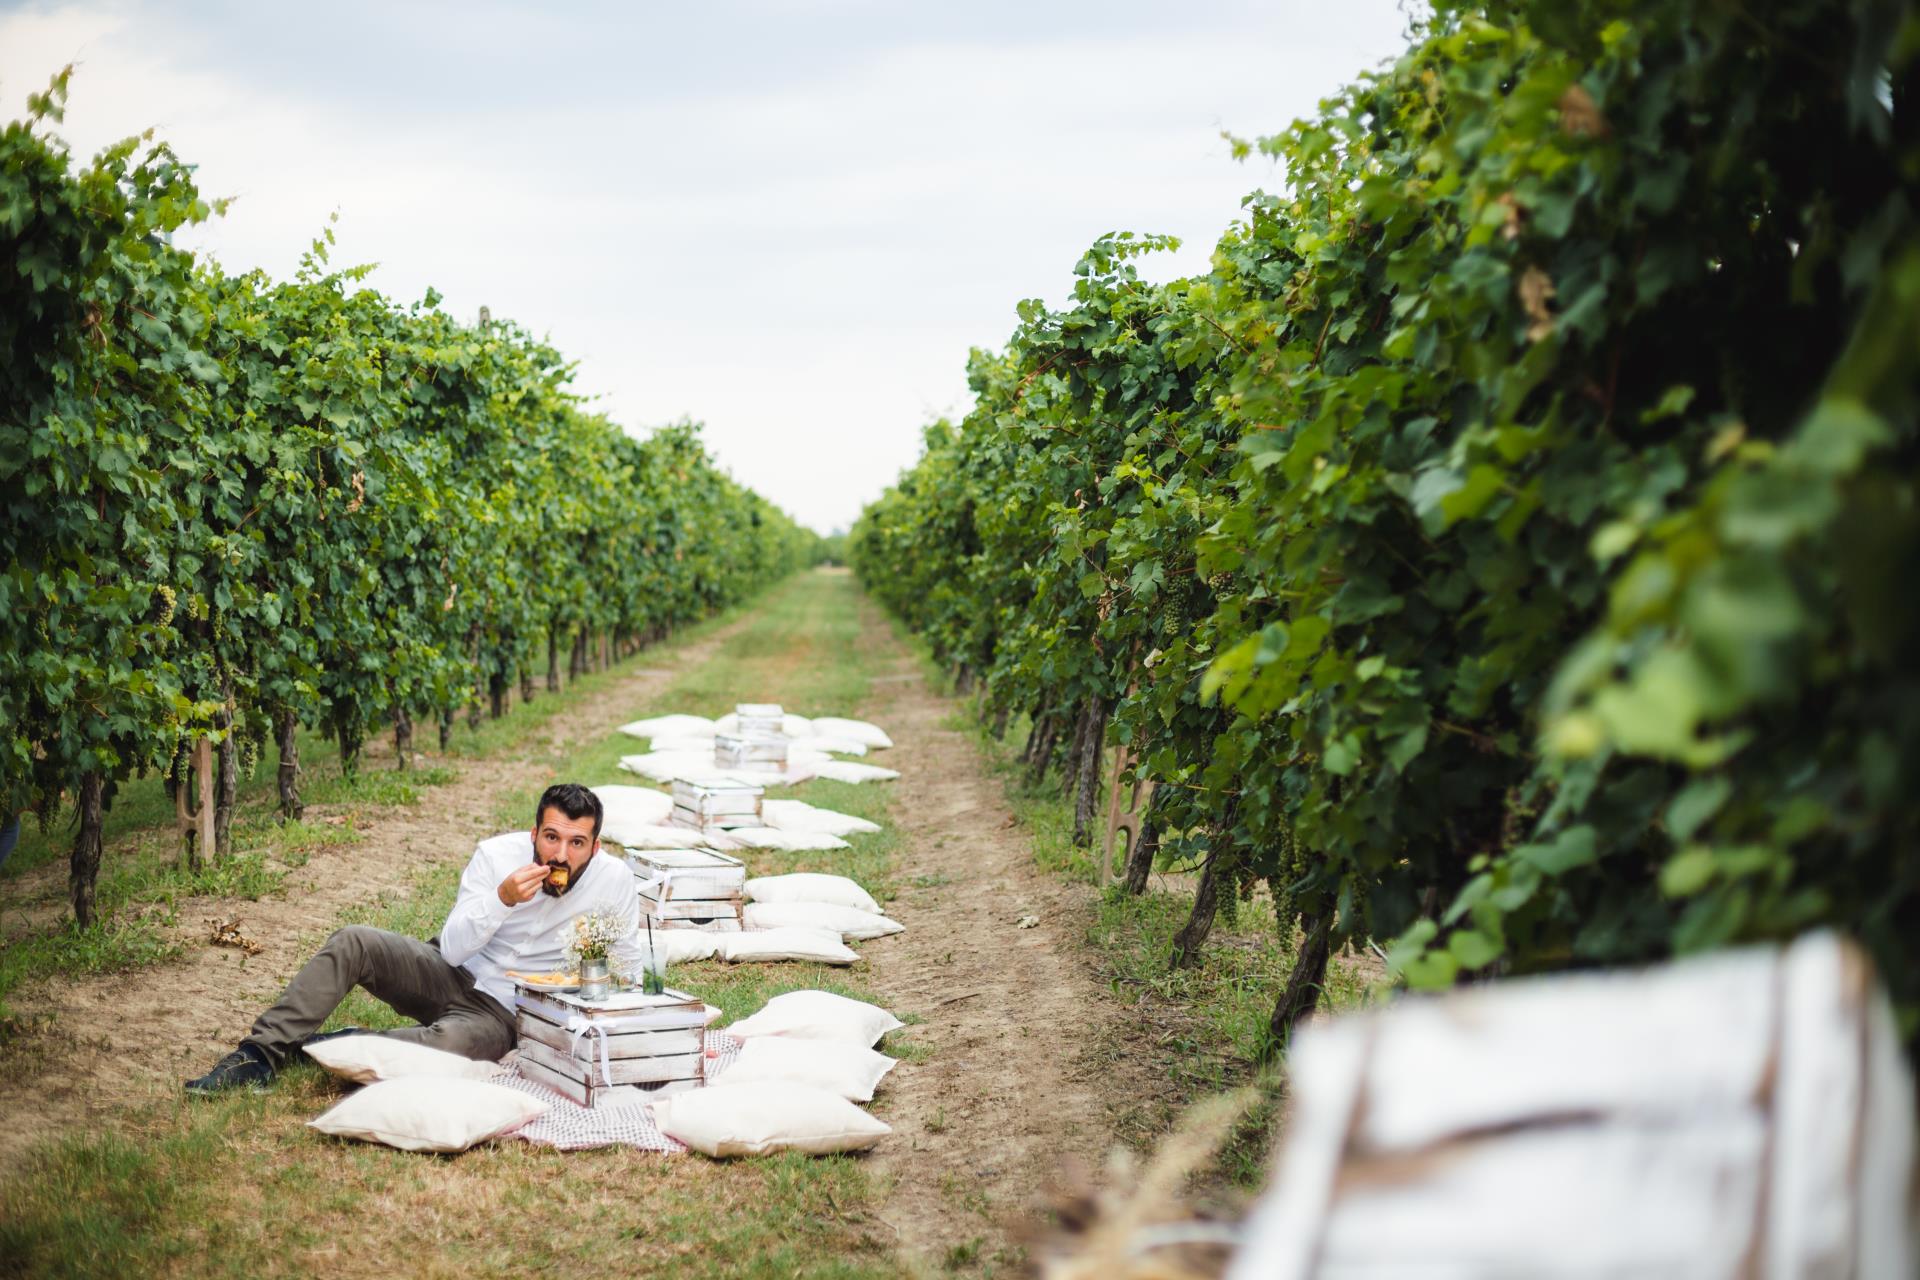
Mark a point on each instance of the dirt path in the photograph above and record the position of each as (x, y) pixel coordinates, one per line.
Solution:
(121, 1042)
(1010, 1089)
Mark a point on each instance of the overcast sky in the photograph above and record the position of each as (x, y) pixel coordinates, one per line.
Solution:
(787, 220)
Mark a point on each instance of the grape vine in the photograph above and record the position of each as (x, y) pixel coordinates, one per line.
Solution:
(1539, 469)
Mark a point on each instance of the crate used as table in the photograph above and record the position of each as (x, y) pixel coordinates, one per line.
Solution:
(582, 1048)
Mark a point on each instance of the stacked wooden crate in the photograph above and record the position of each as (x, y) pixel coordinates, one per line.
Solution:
(708, 806)
(760, 717)
(583, 1048)
(689, 886)
(750, 751)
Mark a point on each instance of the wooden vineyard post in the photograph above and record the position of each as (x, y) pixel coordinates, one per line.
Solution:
(196, 824)
(1139, 794)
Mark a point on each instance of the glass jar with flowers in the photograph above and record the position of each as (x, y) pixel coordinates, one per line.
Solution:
(594, 935)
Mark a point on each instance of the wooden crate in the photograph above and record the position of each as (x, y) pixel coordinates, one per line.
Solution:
(649, 1041)
(699, 911)
(701, 804)
(1745, 1113)
(698, 886)
(761, 717)
(687, 873)
(750, 750)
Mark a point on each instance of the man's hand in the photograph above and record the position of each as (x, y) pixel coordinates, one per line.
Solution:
(523, 884)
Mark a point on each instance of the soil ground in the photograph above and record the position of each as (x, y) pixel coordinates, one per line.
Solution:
(1010, 1089)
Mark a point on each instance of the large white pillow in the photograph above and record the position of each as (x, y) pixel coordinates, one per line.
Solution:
(818, 945)
(631, 812)
(811, 886)
(853, 771)
(835, 746)
(682, 742)
(850, 923)
(680, 946)
(859, 730)
(670, 726)
(429, 1113)
(754, 1119)
(838, 1066)
(365, 1059)
(798, 815)
(818, 1015)
(785, 841)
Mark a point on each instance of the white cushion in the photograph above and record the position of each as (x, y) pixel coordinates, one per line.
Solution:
(859, 730)
(811, 886)
(364, 1059)
(631, 812)
(798, 815)
(785, 944)
(836, 746)
(664, 836)
(818, 1015)
(754, 1119)
(429, 1113)
(668, 726)
(838, 1066)
(682, 742)
(786, 841)
(850, 923)
(852, 771)
(681, 946)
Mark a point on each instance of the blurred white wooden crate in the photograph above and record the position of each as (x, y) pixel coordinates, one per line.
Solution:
(705, 805)
(750, 750)
(760, 718)
(1744, 1114)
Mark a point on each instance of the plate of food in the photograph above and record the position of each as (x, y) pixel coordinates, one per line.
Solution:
(546, 981)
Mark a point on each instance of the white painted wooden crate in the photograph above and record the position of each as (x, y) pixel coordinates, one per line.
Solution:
(712, 804)
(700, 886)
(687, 873)
(657, 1040)
(750, 750)
(760, 717)
(1743, 1114)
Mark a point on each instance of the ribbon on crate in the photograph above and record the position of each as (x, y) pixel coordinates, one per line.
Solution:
(580, 1025)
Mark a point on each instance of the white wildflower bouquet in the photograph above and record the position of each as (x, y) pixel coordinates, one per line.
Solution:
(593, 937)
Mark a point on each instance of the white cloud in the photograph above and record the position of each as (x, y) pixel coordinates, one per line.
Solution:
(789, 221)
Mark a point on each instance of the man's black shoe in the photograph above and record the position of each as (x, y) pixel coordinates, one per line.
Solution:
(244, 1068)
(335, 1034)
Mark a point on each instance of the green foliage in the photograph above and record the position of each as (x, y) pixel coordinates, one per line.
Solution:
(227, 502)
(1500, 547)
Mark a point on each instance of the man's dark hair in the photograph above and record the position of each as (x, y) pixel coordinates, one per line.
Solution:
(573, 800)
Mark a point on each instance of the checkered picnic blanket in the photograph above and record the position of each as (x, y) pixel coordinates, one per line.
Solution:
(568, 1126)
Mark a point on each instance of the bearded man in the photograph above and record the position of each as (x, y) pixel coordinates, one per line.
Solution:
(518, 899)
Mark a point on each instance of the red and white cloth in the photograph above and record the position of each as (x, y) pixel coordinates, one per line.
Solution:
(568, 1126)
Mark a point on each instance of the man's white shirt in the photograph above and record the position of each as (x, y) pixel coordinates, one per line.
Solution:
(486, 937)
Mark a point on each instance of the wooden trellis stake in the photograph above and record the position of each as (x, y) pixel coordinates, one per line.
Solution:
(1129, 820)
(196, 825)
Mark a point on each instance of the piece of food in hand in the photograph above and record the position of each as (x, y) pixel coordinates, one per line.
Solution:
(558, 874)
